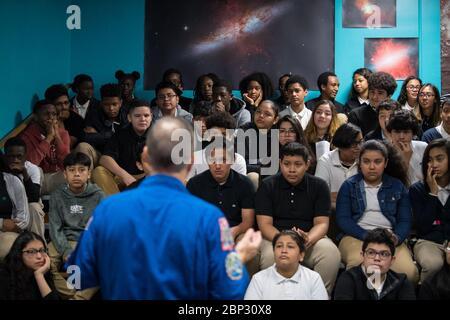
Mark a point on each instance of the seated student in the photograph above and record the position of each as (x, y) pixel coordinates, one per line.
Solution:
(258, 143)
(287, 279)
(217, 124)
(294, 199)
(408, 96)
(429, 101)
(84, 101)
(104, 121)
(47, 144)
(359, 93)
(442, 130)
(255, 88)
(430, 206)
(381, 87)
(322, 126)
(199, 118)
(328, 84)
(297, 90)
(203, 91)
(224, 101)
(385, 110)
(70, 120)
(283, 99)
(373, 279)
(141, 164)
(117, 167)
(342, 163)
(374, 198)
(30, 175)
(402, 126)
(175, 76)
(127, 83)
(71, 207)
(232, 192)
(438, 286)
(24, 275)
(167, 99)
(14, 213)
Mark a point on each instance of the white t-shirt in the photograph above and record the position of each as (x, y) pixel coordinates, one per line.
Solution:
(373, 217)
(268, 284)
(33, 171)
(201, 164)
(330, 169)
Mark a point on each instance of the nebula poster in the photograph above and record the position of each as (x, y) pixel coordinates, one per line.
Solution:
(397, 56)
(369, 13)
(233, 38)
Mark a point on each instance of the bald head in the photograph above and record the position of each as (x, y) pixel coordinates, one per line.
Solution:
(170, 144)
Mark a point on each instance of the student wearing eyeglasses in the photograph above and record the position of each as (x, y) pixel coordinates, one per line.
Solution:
(429, 100)
(25, 273)
(167, 102)
(373, 279)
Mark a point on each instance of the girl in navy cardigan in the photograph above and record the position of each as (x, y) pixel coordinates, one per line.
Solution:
(376, 198)
(431, 208)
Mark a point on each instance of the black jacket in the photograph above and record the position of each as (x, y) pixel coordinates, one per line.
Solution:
(365, 117)
(351, 285)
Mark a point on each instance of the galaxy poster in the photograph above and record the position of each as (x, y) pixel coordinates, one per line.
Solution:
(445, 46)
(397, 56)
(369, 13)
(233, 38)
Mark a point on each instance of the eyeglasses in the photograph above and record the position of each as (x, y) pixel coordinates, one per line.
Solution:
(384, 254)
(415, 88)
(287, 131)
(428, 95)
(33, 252)
(166, 96)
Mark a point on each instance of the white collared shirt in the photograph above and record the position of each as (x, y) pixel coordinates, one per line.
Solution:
(362, 101)
(443, 133)
(415, 163)
(81, 108)
(302, 117)
(330, 169)
(443, 194)
(268, 284)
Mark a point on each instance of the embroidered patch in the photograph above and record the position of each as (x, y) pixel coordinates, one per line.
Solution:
(226, 238)
(233, 266)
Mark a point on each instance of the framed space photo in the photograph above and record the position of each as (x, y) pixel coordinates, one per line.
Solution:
(369, 13)
(234, 38)
(397, 56)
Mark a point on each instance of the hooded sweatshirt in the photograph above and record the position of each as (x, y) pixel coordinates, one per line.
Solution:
(69, 214)
(239, 113)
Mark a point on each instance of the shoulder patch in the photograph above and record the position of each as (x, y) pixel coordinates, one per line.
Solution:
(226, 239)
(233, 266)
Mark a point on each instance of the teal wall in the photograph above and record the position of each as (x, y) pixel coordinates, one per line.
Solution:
(34, 52)
(36, 48)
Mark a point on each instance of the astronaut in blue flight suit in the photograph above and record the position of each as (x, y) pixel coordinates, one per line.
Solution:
(160, 242)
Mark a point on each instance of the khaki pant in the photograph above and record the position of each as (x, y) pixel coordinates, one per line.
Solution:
(430, 256)
(108, 182)
(59, 280)
(6, 241)
(37, 214)
(51, 182)
(323, 257)
(90, 151)
(351, 249)
(252, 265)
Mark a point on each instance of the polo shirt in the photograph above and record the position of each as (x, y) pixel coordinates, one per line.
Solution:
(123, 148)
(330, 169)
(235, 194)
(293, 206)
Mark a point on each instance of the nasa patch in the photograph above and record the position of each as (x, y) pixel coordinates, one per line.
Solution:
(226, 238)
(233, 266)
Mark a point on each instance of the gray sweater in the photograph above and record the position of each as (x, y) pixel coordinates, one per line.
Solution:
(69, 214)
